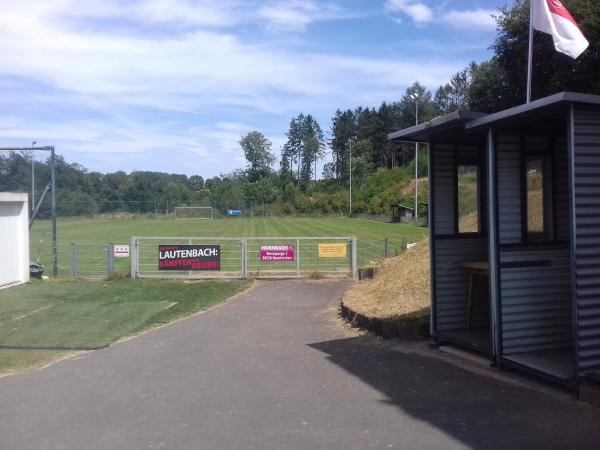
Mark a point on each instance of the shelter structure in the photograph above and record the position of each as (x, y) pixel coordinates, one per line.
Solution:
(514, 213)
(14, 238)
(402, 213)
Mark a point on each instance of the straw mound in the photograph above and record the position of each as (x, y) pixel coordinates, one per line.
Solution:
(400, 288)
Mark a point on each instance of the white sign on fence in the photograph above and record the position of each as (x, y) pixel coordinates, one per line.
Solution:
(122, 251)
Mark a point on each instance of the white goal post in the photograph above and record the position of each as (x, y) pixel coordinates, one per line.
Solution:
(194, 212)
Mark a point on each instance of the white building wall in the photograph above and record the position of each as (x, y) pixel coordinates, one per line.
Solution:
(14, 238)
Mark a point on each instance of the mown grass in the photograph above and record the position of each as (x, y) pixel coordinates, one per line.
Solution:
(68, 314)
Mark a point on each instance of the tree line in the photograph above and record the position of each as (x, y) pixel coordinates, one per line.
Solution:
(381, 170)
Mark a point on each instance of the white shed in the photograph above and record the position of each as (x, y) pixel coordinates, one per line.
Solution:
(14, 238)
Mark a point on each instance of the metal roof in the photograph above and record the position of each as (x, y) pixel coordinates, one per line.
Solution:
(422, 132)
(534, 107)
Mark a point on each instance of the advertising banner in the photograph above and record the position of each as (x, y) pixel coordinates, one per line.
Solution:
(276, 253)
(189, 257)
(332, 251)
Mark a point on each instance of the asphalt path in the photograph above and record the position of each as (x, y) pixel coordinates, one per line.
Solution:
(273, 369)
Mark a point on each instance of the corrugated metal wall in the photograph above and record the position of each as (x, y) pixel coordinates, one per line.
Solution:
(535, 299)
(451, 284)
(561, 190)
(444, 191)
(509, 188)
(10, 231)
(586, 166)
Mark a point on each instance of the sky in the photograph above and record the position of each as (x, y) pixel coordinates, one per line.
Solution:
(172, 85)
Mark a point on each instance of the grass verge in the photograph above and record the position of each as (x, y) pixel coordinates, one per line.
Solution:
(68, 314)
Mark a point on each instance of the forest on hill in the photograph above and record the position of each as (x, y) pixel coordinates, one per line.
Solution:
(381, 170)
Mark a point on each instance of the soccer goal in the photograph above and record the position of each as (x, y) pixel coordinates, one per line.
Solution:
(194, 212)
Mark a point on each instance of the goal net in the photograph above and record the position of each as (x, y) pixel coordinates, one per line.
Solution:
(193, 212)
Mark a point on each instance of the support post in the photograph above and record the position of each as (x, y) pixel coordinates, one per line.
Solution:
(189, 271)
(53, 182)
(298, 257)
(354, 257)
(244, 256)
(493, 239)
(134, 256)
(385, 248)
(73, 260)
(530, 52)
(110, 259)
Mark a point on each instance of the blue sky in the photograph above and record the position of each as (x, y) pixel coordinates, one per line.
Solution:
(172, 85)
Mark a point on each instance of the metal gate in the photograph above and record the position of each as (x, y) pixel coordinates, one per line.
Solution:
(255, 257)
(96, 261)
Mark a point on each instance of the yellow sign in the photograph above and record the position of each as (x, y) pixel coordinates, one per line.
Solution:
(332, 250)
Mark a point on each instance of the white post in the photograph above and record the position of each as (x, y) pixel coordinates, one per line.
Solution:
(530, 53)
(133, 254)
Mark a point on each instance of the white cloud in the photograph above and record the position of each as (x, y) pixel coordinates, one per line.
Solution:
(419, 12)
(196, 89)
(470, 19)
(296, 15)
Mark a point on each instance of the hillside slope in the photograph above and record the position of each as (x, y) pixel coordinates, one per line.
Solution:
(399, 290)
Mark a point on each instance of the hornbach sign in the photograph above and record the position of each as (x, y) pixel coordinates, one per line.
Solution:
(189, 257)
(276, 253)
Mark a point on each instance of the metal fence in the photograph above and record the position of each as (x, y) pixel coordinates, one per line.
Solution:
(256, 257)
(239, 257)
(372, 251)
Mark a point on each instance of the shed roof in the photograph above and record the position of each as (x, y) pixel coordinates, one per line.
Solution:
(536, 107)
(455, 121)
(543, 113)
(13, 197)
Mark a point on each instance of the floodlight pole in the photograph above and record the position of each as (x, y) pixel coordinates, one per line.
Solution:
(350, 199)
(415, 97)
(53, 181)
(32, 178)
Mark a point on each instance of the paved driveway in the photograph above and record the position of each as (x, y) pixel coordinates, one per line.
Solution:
(272, 369)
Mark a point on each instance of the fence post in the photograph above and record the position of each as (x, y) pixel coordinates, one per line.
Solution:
(385, 248)
(244, 257)
(110, 266)
(73, 259)
(354, 257)
(298, 257)
(133, 257)
(189, 271)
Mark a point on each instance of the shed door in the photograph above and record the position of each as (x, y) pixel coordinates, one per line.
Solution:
(10, 236)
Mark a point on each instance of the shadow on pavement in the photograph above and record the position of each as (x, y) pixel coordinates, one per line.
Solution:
(478, 411)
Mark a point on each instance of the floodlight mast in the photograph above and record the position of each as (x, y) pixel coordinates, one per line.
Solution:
(415, 97)
(32, 179)
(53, 187)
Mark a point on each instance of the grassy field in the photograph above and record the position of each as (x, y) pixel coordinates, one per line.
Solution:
(370, 234)
(78, 314)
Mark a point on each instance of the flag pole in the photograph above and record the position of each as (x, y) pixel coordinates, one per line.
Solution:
(530, 54)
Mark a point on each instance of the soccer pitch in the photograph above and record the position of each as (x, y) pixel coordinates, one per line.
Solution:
(370, 234)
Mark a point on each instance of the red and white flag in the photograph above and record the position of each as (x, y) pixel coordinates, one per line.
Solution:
(550, 16)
